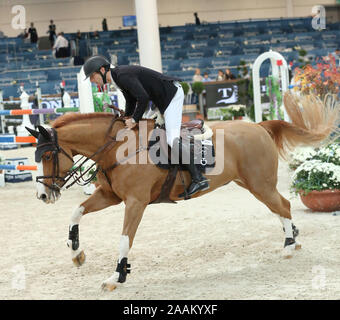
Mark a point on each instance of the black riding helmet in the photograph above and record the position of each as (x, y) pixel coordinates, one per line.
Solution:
(93, 64)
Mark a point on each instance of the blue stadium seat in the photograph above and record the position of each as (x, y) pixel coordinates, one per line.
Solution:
(191, 64)
(170, 65)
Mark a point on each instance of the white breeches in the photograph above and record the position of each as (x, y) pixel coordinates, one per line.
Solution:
(173, 115)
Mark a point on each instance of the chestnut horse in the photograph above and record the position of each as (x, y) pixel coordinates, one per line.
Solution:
(247, 154)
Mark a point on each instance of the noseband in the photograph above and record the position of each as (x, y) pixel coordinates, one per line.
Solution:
(54, 147)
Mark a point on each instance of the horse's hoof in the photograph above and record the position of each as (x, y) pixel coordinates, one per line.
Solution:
(298, 246)
(108, 286)
(79, 259)
(288, 251)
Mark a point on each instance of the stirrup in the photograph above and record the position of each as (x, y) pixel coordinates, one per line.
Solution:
(187, 195)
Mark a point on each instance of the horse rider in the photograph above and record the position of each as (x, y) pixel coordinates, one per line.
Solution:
(139, 86)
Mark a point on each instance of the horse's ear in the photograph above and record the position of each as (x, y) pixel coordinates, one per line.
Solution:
(44, 133)
(34, 133)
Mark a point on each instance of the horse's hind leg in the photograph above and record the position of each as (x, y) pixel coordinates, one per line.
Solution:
(99, 200)
(281, 206)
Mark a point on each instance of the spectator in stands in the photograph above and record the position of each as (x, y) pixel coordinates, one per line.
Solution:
(104, 24)
(228, 75)
(197, 19)
(220, 75)
(79, 35)
(23, 35)
(33, 33)
(206, 77)
(336, 54)
(51, 32)
(61, 46)
(95, 35)
(197, 77)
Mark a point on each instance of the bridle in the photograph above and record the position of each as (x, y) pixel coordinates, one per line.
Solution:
(55, 149)
(75, 172)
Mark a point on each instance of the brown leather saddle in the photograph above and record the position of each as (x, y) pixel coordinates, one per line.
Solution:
(200, 151)
(193, 124)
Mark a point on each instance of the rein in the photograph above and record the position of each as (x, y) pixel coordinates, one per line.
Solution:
(75, 172)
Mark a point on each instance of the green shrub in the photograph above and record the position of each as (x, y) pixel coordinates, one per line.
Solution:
(185, 87)
(197, 87)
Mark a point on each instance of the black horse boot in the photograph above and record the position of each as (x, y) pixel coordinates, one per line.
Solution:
(198, 181)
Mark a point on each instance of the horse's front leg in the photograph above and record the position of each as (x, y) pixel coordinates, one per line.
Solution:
(99, 200)
(134, 210)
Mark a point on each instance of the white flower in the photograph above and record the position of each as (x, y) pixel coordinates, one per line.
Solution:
(237, 107)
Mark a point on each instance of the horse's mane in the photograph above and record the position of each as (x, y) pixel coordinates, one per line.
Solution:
(71, 117)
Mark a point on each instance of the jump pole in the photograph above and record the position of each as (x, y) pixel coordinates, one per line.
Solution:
(18, 140)
(279, 66)
(18, 167)
(18, 112)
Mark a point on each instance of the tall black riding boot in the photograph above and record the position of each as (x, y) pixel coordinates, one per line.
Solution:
(198, 181)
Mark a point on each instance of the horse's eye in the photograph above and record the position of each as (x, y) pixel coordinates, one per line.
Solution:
(47, 157)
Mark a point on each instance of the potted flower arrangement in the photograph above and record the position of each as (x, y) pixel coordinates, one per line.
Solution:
(321, 80)
(317, 172)
(238, 111)
(233, 112)
(299, 156)
(317, 178)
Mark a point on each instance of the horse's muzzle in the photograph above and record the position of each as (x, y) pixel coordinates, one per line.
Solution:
(49, 197)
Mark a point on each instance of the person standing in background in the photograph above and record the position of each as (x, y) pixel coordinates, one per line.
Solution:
(197, 77)
(206, 77)
(336, 54)
(52, 32)
(61, 46)
(229, 75)
(95, 35)
(197, 19)
(33, 33)
(23, 35)
(79, 35)
(104, 25)
(220, 75)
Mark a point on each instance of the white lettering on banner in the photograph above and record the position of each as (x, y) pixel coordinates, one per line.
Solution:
(55, 104)
(45, 104)
(75, 103)
(228, 98)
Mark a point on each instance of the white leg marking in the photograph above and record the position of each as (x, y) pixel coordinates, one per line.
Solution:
(40, 187)
(76, 216)
(124, 247)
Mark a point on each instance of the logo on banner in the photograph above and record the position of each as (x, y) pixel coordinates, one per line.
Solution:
(229, 95)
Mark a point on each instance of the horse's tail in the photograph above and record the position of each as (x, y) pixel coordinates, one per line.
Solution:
(312, 123)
